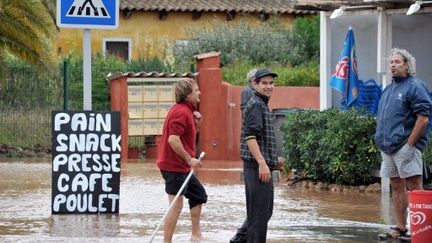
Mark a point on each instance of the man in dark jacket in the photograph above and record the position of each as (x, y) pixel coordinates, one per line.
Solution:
(401, 134)
(247, 90)
(246, 94)
(258, 152)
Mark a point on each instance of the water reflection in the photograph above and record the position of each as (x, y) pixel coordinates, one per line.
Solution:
(299, 216)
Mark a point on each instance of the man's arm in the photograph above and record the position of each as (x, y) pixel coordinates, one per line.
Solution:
(176, 144)
(419, 127)
(263, 169)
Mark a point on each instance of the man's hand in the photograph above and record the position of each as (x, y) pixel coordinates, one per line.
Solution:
(195, 163)
(198, 119)
(264, 172)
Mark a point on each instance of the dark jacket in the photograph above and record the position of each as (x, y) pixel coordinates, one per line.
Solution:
(245, 96)
(398, 106)
(257, 122)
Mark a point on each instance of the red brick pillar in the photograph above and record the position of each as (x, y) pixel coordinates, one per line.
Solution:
(119, 102)
(213, 106)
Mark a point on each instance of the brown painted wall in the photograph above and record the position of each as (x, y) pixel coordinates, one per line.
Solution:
(220, 106)
(283, 97)
(118, 92)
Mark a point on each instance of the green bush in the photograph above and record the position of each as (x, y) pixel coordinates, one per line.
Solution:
(269, 43)
(22, 85)
(332, 146)
(302, 75)
(25, 127)
(101, 66)
(427, 154)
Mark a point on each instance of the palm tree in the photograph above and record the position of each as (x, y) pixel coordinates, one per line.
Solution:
(25, 30)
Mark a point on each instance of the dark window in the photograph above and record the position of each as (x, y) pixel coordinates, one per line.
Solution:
(117, 48)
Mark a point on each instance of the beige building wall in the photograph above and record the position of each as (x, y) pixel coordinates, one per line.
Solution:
(150, 36)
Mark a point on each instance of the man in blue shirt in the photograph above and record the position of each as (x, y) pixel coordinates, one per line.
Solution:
(402, 135)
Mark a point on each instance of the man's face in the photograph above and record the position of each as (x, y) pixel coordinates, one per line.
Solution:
(398, 67)
(265, 86)
(194, 95)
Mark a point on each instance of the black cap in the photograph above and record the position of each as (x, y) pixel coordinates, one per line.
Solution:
(262, 72)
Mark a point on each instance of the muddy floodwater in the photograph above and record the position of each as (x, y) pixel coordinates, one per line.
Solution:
(299, 215)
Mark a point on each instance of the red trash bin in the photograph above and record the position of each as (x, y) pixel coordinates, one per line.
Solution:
(420, 217)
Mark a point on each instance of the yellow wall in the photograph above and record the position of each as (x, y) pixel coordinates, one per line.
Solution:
(151, 36)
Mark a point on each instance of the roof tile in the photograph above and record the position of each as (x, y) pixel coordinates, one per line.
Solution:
(243, 6)
(112, 76)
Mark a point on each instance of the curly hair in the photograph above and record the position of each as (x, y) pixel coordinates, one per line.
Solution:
(407, 58)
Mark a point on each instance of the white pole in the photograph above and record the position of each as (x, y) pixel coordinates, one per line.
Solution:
(175, 199)
(325, 59)
(87, 74)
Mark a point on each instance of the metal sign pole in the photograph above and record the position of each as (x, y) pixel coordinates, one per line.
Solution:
(87, 73)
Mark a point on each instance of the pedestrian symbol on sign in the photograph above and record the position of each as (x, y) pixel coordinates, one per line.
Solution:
(88, 8)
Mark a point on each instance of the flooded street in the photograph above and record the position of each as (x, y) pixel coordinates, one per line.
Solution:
(299, 216)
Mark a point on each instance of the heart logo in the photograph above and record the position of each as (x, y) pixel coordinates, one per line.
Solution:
(417, 218)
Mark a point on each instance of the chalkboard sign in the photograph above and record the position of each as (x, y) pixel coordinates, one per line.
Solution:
(85, 162)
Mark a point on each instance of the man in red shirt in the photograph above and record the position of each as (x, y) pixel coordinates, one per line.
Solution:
(177, 157)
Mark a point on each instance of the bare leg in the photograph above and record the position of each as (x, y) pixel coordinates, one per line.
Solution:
(195, 218)
(414, 183)
(400, 201)
(171, 218)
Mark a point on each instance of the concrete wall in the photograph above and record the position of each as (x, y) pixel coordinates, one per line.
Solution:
(414, 33)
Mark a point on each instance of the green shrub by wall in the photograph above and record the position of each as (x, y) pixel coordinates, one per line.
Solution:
(332, 146)
(269, 43)
(101, 66)
(303, 75)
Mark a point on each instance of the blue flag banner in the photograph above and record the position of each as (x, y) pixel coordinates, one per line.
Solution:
(345, 77)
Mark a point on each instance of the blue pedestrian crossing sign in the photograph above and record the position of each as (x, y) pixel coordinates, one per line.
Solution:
(88, 14)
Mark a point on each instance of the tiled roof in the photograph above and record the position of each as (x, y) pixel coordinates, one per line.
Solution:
(240, 6)
(117, 75)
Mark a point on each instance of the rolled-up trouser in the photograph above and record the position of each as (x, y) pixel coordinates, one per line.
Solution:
(259, 205)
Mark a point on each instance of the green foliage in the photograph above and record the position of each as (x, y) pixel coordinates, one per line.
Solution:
(148, 65)
(331, 146)
(26, 127)
(427, 153)
(305, 36)
(269, 43)
(100, 88)
(28, 97)
(303, 75)
(23, 86)
(101, 67)
(25, 31)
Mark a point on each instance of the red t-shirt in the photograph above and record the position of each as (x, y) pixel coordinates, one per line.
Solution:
(180, 122)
